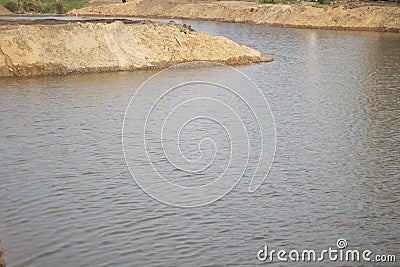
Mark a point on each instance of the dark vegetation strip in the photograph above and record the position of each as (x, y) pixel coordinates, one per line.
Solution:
(42, 6)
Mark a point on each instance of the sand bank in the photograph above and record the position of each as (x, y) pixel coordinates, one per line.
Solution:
(2, 262)
(4, 11)
(29, 48)
(307, 15)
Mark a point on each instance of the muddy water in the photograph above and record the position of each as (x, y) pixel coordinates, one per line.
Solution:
(67, 198)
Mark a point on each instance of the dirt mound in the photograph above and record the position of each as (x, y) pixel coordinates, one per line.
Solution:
(61, 48)
(4, 11)
(308, 15)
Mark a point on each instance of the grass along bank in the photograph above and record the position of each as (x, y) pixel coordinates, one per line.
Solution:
(42, 6)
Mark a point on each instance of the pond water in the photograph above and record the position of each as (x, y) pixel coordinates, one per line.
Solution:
(68, 199)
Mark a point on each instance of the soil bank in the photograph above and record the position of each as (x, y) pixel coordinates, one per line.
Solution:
(4, 11)
(306, 15)
(30, 48)
(2, 262)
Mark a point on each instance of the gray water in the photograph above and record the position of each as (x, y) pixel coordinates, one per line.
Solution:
(67, 198)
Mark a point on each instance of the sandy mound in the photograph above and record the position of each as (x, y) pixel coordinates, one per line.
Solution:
(4, 11)
(308, 15)
(60, 48)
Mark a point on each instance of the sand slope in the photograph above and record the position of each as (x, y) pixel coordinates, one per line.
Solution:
(308, 15)
(27, 50)
(4, 11)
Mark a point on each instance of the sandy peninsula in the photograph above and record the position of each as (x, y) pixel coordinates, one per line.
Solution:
(305, 15)
(30, 48)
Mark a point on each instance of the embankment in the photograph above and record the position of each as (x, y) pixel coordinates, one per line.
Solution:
(307, 15)
(29, 48)
(2, 262)
(4, 11)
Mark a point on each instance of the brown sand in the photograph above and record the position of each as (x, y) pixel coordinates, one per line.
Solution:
(4, 12)
(55, 47)
(2, 262)
(307, 15)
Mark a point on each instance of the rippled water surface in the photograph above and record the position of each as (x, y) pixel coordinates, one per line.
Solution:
(67, 198)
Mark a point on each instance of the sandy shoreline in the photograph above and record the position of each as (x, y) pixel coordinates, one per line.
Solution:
(31, 48)
(2, 262)
(361, 17)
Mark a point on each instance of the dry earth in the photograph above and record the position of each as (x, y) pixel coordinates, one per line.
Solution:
(307, 15)
(2, 262)
(29, 48)
(4, 12)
